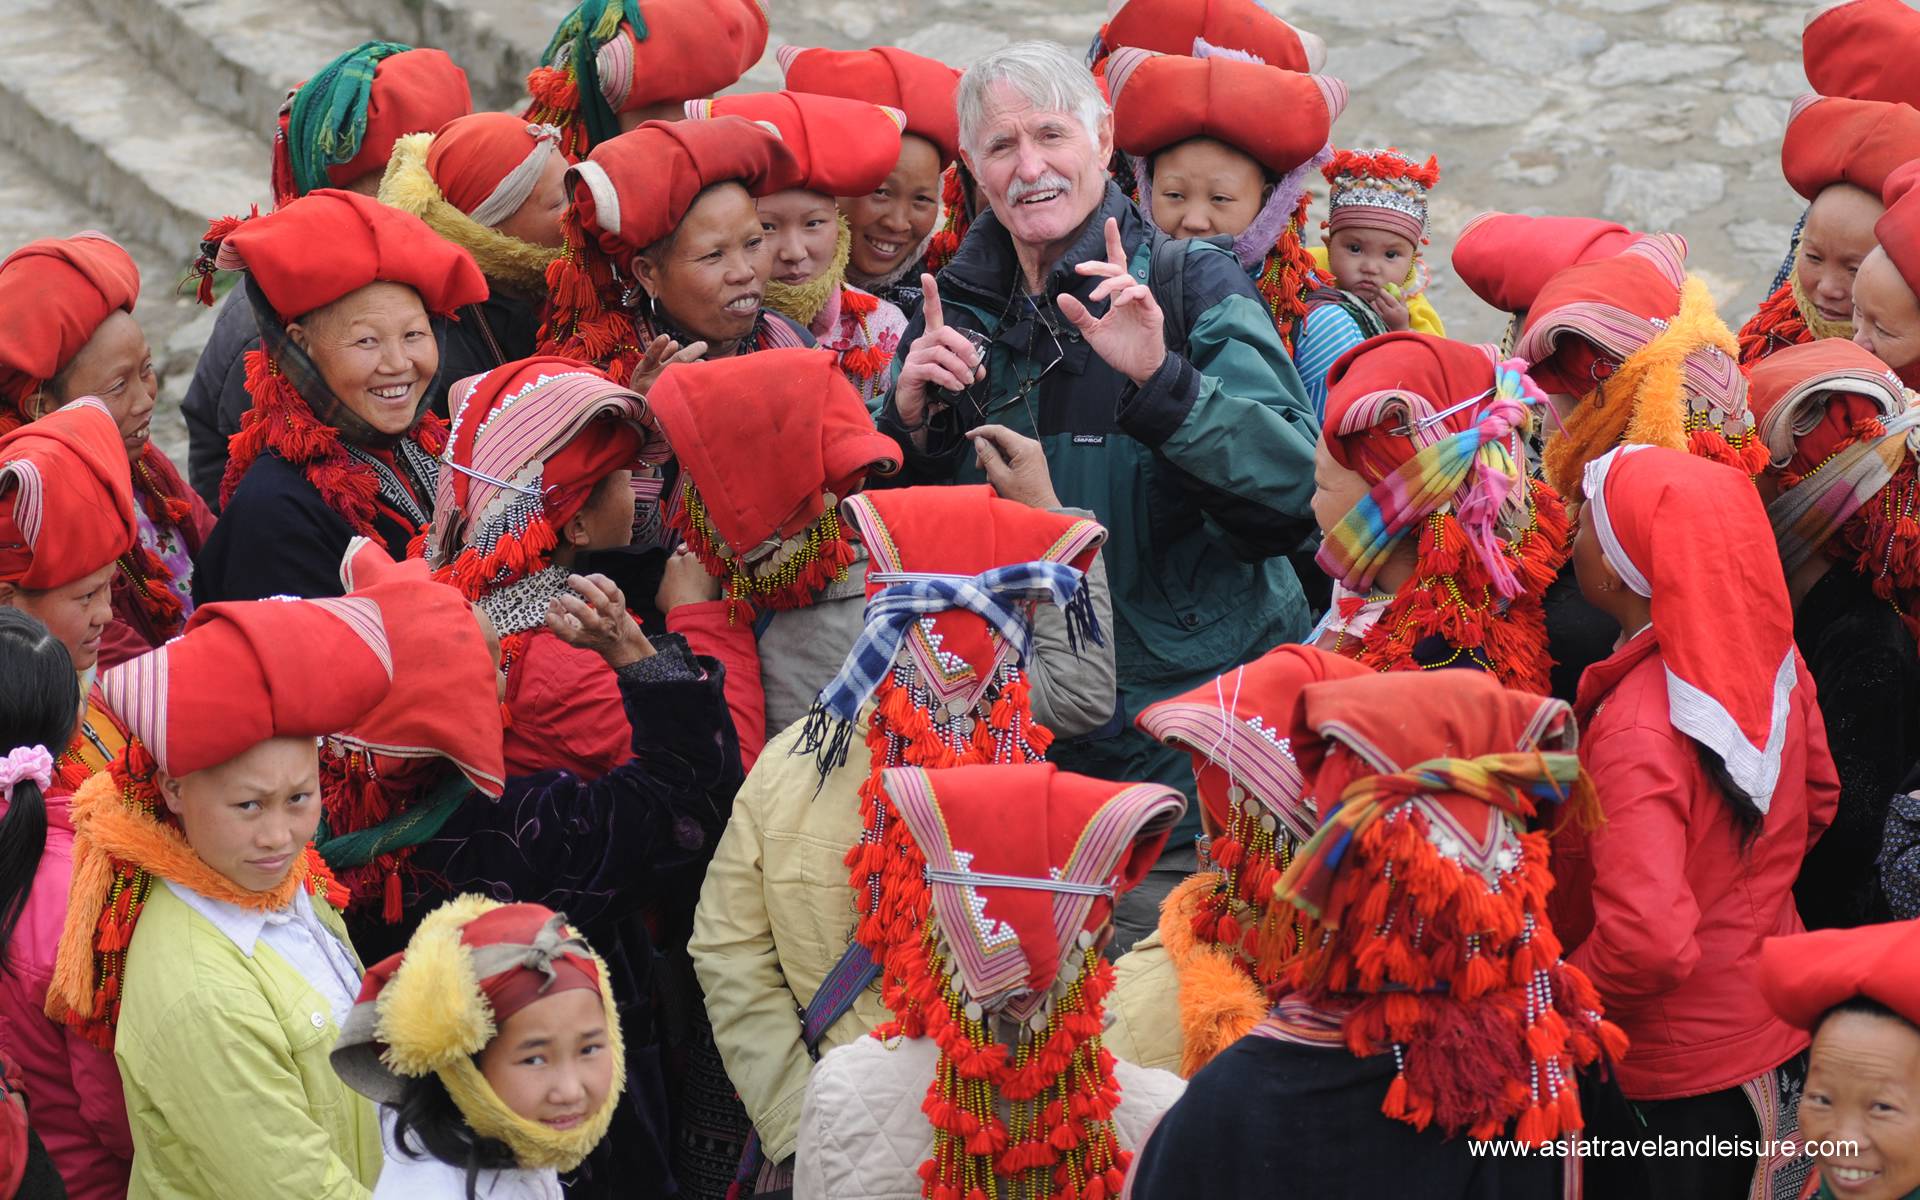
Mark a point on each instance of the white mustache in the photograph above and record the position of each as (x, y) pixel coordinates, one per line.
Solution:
(1020, 189)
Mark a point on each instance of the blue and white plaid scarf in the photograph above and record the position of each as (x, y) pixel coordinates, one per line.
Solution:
(997, 597)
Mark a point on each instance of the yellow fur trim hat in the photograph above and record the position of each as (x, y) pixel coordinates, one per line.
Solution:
(432, 1008)
(409, 185)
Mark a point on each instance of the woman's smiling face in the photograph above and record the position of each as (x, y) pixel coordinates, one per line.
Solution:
(376, 350)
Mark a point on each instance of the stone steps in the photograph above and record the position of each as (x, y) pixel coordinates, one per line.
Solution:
(228, 57)
(147, 159)
(495, 42)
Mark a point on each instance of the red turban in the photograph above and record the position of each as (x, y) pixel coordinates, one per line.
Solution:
(472, 156)
(1416, 374)
(1898, 229)
(1805, 976)
(1864, 50)
(1849, 383)
(53, 295)
(247, 671)
(1506, 258)
(693, 48)
(765, 437)
(328, 243)
(921, 87)
(636, 188)
(415, 91)
(1160, 100)
(1859, 142)
(843, 147)
(66, 497)
(1174, 26)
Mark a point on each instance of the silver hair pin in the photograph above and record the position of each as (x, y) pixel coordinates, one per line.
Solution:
(977, 879)
(530, 492)
(1427, 422)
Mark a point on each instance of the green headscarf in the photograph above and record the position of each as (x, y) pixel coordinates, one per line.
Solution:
(329, 117)
(582, 32)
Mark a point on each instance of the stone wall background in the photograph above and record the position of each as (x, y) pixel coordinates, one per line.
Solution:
(154, 114)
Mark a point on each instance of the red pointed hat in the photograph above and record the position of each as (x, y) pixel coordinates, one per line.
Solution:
(1506, 258)
(66, 497)
(634, 189)
(691, 48)
(1834, 140)
(246, 671)
(1898, 229)
(843, 147)
(1175, 26)
(364, 242)
(53, 295)
(442, 702)
(1236, 728)
(1842, 383)
(1682, 532)
(961, 530)
(1032, 823)
(1805, 976)
(415, 91)
(922, 88)
(1160, 100)
(768, 444)
(529, 442)
(1863, 49)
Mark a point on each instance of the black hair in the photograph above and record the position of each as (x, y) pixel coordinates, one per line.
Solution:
(1867, 1006)
(39, 706)
(428, 1118)
(1747, 815)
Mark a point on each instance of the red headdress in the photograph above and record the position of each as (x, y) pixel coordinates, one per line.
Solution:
(1683, 533)
(842, 147)
(1860, 49)
(381, 778)
(1835, 140)
(1007, 950)
(1228, 941)
(1380, 189)
(294, 413)
(768, 444)
(1161, 100)
(66, 501)
(1506, 258)
(431, 1010)
(629, 193)
(1434, 427)
(1807, 975)
(1898, 231)
(1425, 898)
(922, 88)
(1638, 339)
(1847, 448)
(1182, 26)
(54, 293)
(341, 124)
(241, 674)
(616, 56)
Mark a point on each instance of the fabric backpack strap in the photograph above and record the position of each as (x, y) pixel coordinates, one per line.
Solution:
(1167, 280)
(1363, 315)
(842, 986)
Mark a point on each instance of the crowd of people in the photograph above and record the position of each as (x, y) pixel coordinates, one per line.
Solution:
(933, 633)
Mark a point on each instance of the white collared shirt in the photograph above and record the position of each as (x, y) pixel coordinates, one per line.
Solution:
(295, 934)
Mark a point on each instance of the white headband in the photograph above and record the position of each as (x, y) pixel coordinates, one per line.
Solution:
(511, 192)
(1594, 484)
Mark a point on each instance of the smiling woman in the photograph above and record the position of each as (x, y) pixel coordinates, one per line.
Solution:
(339, 442)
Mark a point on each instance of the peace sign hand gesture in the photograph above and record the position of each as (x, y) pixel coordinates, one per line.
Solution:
(1130, 337)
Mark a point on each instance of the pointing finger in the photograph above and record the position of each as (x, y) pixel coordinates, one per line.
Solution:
(930, 296)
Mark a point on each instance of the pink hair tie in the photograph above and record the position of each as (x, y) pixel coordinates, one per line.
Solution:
(25, 762)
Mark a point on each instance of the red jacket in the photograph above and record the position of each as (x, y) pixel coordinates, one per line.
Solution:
(1660, 906)
(564, 711)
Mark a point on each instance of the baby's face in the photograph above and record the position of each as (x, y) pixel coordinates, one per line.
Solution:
(1365, 260)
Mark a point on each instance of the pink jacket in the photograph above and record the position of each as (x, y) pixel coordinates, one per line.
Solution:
(73, 1088)
(1660, 906)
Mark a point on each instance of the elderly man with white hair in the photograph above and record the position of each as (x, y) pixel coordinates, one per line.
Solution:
(1161, 396)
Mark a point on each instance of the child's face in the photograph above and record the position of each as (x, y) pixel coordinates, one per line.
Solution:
(1364, 260)
(552, 1062)
(1204, 188)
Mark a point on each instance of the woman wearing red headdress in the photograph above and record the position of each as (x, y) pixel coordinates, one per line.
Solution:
(1886, 292)
(1838, 154)
(339, 443)
(336, 130)
(844, 148)
(66, 331)
(1429, 1009)
(1710, 757)
(1842, 498)
(894, 225)
(1506, 258)
(495, 186)
(1439, 543)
